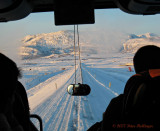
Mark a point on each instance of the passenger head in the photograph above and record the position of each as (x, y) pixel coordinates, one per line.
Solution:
(147, 57)
(9, 74)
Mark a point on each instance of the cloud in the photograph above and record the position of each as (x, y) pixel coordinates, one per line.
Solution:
(106, 40)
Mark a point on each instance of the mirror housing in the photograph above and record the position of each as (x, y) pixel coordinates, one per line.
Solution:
(78, 89)
(73, 12)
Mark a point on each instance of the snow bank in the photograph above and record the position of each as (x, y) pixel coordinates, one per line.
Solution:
(50, 86)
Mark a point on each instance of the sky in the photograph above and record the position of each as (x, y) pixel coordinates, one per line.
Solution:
(112, 22)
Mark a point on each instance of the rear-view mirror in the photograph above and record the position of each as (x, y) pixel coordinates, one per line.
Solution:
(78, 89)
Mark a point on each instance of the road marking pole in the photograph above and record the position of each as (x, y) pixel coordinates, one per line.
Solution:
(56, 85)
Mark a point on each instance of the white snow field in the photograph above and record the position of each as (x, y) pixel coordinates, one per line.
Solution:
(48, 74)
(62, 112)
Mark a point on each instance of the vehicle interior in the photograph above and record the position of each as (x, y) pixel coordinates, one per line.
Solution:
(74, 13)
(17, 9)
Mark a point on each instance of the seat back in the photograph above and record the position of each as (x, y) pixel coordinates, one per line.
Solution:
(142, 100)
(21, 108)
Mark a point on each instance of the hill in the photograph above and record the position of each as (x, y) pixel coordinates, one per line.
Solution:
(134, 42)
(56, 44)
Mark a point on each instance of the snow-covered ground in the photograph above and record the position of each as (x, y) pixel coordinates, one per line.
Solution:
(47, 76)
(46, 85)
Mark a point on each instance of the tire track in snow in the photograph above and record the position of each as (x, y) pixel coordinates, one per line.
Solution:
(53, 109)
(97, 101)
(57, 110)
(87, 114)
(62, 112)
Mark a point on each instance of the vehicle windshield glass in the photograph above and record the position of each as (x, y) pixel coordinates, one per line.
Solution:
(46, 54)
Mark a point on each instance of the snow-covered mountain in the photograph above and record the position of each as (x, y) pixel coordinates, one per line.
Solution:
(58, 44)
(147, 35)
(52, 45)
(136, 41)
(39, 45)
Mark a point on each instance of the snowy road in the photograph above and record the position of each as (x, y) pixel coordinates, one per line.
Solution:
(62, 112)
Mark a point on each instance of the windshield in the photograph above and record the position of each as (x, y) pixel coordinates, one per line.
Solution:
(45, 54)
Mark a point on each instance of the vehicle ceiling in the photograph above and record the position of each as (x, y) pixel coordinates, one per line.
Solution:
(73, 11)
(49, 5)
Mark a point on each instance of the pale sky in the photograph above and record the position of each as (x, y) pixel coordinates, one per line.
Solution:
(109, 21)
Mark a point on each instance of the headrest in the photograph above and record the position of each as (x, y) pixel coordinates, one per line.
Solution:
(141, 91)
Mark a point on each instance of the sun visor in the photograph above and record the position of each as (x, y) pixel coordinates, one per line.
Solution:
(11, 10)
(144, 7)
(71, 12)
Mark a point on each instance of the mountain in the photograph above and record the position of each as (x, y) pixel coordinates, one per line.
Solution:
(147, 35)
(54, 44)
(61, 43)
(135, 42)
(40, 45)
